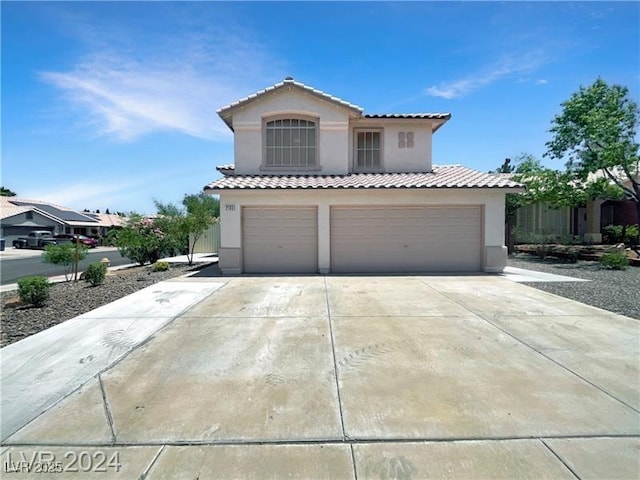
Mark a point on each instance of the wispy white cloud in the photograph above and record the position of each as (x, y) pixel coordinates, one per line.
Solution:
(507, 67)
(87, 193)
(125, 92)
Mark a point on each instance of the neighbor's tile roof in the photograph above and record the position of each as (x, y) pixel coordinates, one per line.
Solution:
(10, 206)
(290, 81)
(445, 176)
(8, 209)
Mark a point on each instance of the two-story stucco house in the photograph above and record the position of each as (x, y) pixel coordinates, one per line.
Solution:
(317, 186)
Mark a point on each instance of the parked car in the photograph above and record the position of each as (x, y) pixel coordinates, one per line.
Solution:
(35, 239)
(83, 239)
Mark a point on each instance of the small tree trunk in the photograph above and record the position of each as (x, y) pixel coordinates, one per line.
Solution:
(637, 242)
(75, 261)
(509, 237)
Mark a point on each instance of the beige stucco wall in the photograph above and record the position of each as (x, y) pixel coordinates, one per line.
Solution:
(231, 204)
(336, 139)
(395, 159)
(333, 135)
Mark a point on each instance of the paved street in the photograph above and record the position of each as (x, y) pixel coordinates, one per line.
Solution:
(349, 377)
(15, 264)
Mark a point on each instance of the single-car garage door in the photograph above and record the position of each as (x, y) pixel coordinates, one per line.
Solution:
(406, 239)
(280, 240)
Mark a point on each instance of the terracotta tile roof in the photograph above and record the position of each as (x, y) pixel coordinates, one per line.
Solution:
(445, 176)
(290, 81)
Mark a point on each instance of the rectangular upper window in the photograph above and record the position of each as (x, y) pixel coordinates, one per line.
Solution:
(368, 149)
(290, 142)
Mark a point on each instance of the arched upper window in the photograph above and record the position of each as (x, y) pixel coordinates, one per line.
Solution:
(291, 142)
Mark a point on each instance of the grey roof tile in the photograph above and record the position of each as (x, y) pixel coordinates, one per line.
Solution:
(445, 176)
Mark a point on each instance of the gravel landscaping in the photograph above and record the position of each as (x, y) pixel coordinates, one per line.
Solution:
(614, 290)
(68, 300)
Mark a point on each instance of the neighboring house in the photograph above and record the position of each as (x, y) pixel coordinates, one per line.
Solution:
(19, 216)
(540, 221)
(318, 186)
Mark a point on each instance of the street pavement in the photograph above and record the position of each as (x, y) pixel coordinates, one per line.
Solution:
(16, 263)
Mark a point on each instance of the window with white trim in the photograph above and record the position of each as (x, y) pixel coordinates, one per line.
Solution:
(368, 149)
(290, 142)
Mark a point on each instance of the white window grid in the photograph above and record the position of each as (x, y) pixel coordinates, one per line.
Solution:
(290, 142)
(368, 149)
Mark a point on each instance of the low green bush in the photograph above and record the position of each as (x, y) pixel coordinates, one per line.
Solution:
(160, 266)
(34, 290)
(620, 233)
(615, 261)
(95, 273)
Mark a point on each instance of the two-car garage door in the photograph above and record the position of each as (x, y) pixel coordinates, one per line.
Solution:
(364, 239)
(406, 239)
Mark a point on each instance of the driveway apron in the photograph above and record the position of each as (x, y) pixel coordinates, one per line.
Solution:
(360, 377)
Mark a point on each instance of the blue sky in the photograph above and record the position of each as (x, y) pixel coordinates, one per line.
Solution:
(112, 104)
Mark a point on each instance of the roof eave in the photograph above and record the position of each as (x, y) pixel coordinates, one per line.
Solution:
(226, 112)
(505, 189)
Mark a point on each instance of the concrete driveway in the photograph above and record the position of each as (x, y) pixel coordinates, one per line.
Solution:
(350, 377)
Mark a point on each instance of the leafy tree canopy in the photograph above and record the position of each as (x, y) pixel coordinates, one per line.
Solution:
(5, 192)
(596, 133)
(187, 223)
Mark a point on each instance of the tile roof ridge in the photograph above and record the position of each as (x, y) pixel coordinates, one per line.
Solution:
(437, 115)
(290, 81)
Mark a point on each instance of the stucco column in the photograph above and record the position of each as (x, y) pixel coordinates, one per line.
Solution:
(230, 249)
(495, 252)
(324, 238)
(593, 234)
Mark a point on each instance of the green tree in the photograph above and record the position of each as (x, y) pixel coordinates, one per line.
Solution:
(186, 224)
(596, 135)
(538, 181)
(66, 254)
(140, 240)
(5, 192)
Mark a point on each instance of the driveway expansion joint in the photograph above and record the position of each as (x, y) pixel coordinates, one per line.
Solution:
(107, 409)
(318, 441)
(560, 364)
(559, 458)
(335, 365)
(353, 462)
(484, 318)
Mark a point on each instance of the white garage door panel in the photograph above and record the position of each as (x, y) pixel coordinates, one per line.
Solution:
(406, 239)
(280, 240)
